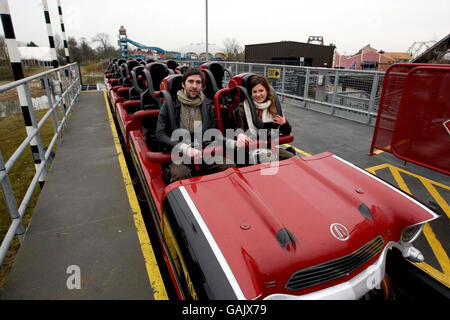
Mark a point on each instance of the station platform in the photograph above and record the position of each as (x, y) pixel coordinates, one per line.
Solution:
(87, 222)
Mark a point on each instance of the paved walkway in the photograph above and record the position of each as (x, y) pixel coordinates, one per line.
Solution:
(83, 223)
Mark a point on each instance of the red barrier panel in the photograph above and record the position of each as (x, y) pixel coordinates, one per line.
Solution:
(391, 94)
(420, 135)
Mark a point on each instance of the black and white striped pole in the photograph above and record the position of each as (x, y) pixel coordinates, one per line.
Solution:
(57, 84)
(67, 73)
(51, 39)
(63, 31)
(23, 90)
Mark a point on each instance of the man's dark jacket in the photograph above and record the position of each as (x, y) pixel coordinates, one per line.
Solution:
(166, 125)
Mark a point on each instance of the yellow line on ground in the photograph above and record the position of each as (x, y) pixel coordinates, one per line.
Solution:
(434, 243)
(424, 179)
(298, 150)
(151, 264)
(438, 250)
(378, 151)
(375, 168)
(442, 278)
(442, 203)
(398, 178)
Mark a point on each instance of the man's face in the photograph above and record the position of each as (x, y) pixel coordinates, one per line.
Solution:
(192, 86)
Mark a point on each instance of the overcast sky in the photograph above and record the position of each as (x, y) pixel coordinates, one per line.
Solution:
(390, 25)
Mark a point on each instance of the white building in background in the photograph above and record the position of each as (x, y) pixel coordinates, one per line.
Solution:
(198, 51)
(36, 56)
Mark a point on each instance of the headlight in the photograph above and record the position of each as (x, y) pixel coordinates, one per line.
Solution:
(410, 233)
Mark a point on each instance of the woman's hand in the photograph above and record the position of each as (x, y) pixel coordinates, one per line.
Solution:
(193, 153)
(279, 119)
(242, 139)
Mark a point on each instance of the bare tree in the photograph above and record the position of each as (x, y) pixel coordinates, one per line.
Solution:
(232, 48)
(3, 49)
(5, 66)
(103, 40)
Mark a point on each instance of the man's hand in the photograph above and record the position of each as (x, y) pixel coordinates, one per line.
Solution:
(242, 139)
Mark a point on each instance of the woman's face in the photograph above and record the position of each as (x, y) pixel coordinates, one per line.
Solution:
(259, 93)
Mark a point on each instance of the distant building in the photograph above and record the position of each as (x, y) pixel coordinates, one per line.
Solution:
(438, 53)
(398, 57)
(196, 51)
(291, 53)
(36, 56)
(369, 58)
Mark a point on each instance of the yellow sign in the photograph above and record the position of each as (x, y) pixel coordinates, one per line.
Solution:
(273, 73)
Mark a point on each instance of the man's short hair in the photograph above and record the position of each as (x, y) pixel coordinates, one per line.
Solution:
(190, 72)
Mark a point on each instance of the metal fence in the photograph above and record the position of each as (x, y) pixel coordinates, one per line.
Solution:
(62, 87)
(351, 94)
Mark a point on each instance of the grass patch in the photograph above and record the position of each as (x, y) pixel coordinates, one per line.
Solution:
(12, 133)
(93, 73)
(35, 85)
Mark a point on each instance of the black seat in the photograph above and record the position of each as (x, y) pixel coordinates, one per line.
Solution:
(172, 65)
(125, 75)
(181, 69)
(218, 71)
(116, 68)
(137, 79)
(149, 124)
(154, 73)
(214, 73)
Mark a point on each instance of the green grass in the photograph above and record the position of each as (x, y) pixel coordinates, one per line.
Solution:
(93, 73)
(12, 133)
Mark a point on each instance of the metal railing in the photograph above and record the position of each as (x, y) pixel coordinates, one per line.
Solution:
(62, 86)
(352, 94)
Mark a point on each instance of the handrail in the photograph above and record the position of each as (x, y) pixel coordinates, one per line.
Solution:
(65, 100)
(33, 77)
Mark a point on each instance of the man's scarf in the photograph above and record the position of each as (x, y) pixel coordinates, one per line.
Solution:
(186, 105)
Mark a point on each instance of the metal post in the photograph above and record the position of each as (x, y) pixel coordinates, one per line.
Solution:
(22, 90)
(55, 120)
(63, 30)
(10, 200)
(305, 91)
(283, 79)
(335, 88)
(373, 93)
(207, 53)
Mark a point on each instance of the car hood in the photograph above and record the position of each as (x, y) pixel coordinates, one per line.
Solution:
(272, 221)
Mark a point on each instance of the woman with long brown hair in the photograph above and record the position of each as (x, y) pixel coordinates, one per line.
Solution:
(264, 100)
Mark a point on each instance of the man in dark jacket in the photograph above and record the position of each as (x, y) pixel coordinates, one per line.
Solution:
(193, 114)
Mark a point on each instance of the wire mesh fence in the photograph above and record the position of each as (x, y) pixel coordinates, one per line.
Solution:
(346, 93)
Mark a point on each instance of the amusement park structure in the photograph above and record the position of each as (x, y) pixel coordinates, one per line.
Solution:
(143, 50)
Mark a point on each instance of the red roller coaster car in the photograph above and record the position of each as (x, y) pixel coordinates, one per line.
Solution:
(319, 228)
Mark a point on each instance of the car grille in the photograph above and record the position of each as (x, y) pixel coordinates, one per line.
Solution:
(336, 268)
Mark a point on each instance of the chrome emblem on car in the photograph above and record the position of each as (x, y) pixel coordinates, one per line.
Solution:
(339, 231)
